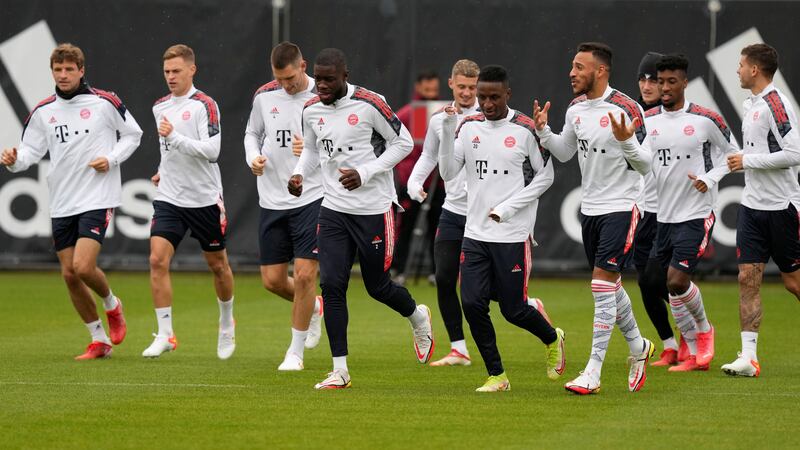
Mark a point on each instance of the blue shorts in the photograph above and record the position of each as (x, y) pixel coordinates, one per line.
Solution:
(451, 226)
(644, 240)
(680, 245)
(608, 239)
(207, 224)
(288, 233)
(89, 224)
(764, 234)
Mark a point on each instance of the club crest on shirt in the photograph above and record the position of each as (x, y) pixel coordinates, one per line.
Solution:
(352, 119)
(186, 115)
(85, 113)
(510, 142)
(688, 130)
(604, 121)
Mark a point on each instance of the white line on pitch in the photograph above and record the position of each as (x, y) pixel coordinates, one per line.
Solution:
(179, 385)
(751, 394)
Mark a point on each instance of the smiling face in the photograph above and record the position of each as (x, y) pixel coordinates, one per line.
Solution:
(179, 74)
(331, 83)
(464, 90)
(292, 78)
(584, 72)
(493, 99)
(673, 84)
(67, 75)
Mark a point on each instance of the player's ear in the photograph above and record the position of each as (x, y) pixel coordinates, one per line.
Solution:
(193, 69)
(508, 93)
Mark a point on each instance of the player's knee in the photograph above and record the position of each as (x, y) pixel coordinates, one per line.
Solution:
(305, 276)
(379, 290)
(83, 269)
(70, 277)
(274, 283)
(159, 263)
(220, 268)
(792, 286)
(748, 278)
(678, 285)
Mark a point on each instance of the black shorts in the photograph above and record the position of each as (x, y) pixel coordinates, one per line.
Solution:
(207, 224)
(451, 226)
(495, 271)
(287, 234)
(680, 245)
(764, 234)
(608, 239)
(644, 240)
(89, 224)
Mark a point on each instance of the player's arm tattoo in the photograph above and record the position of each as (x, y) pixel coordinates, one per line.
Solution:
(750, 276)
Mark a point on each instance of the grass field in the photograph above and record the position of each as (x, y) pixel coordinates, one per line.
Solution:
(190, 399)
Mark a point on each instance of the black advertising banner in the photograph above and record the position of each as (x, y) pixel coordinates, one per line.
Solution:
(387, 42)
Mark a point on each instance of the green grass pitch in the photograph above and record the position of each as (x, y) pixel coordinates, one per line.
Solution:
(190, 399)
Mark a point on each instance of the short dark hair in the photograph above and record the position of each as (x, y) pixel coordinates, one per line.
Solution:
(284, 54)
(427, 74)
(599, 50)
(673, 61)
(331, 57)
(763, 56)
(493, 73)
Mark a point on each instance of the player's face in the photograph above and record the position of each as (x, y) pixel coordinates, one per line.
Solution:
(746, 72)
(673, 84)
(428, 89)
(582, 75)
(179, 74)
(292, 78)
(464, 90)
(331, 83)
(67, 75)
(648, 87)
(493, 99)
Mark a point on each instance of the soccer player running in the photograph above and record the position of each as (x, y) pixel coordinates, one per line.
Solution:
(767, 226)
(688, 143)
(605, 127)
(78, 126)
(356, 139)
(288, 224)
(450, 232)
(652, 276)
(506, 174)
(189, 197)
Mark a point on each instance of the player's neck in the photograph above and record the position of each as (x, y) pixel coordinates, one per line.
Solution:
(183, 92)
(760, 85)
(598, 90)
(677, 106)
(303, 84)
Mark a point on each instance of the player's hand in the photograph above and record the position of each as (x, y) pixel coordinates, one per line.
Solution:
(9, 156)
(350, 179)
(698, 184)
(540, 115)
(494, 216)
(418, 195)
(100, 164)
(165, 127)
(736, 162)
(296, 185)
(257, 166)
(155, 179)
(623, 132)
(297, 145)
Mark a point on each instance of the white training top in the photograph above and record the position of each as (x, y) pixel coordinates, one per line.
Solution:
(190, 176)
(455, 199)
(274, 119)
(771, 151)
(611, 170)
(691, 141)
(506, 171)
(75, 132)
(358, 131)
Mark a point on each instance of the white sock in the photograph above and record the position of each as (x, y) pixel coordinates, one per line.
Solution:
(340, 362)
(749, 343)
(110, 301)
(685, 322)
(417, 318)
(164, 318)
(226, 314)
(98, 332)
(605, 313)
(694, 303)
(626, 320)
(298, 342)
(670, 343)
(460, 347)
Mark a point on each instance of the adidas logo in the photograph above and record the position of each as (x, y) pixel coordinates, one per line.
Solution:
(96, 230)
(516, 268)
(612, 261)
(315, 251)
(52, 119)
(214, 243)
(321, 122)
(578, 121)
(476, 140)
(377, 240)
(684, 263)
(654, 133)
(274, 110)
